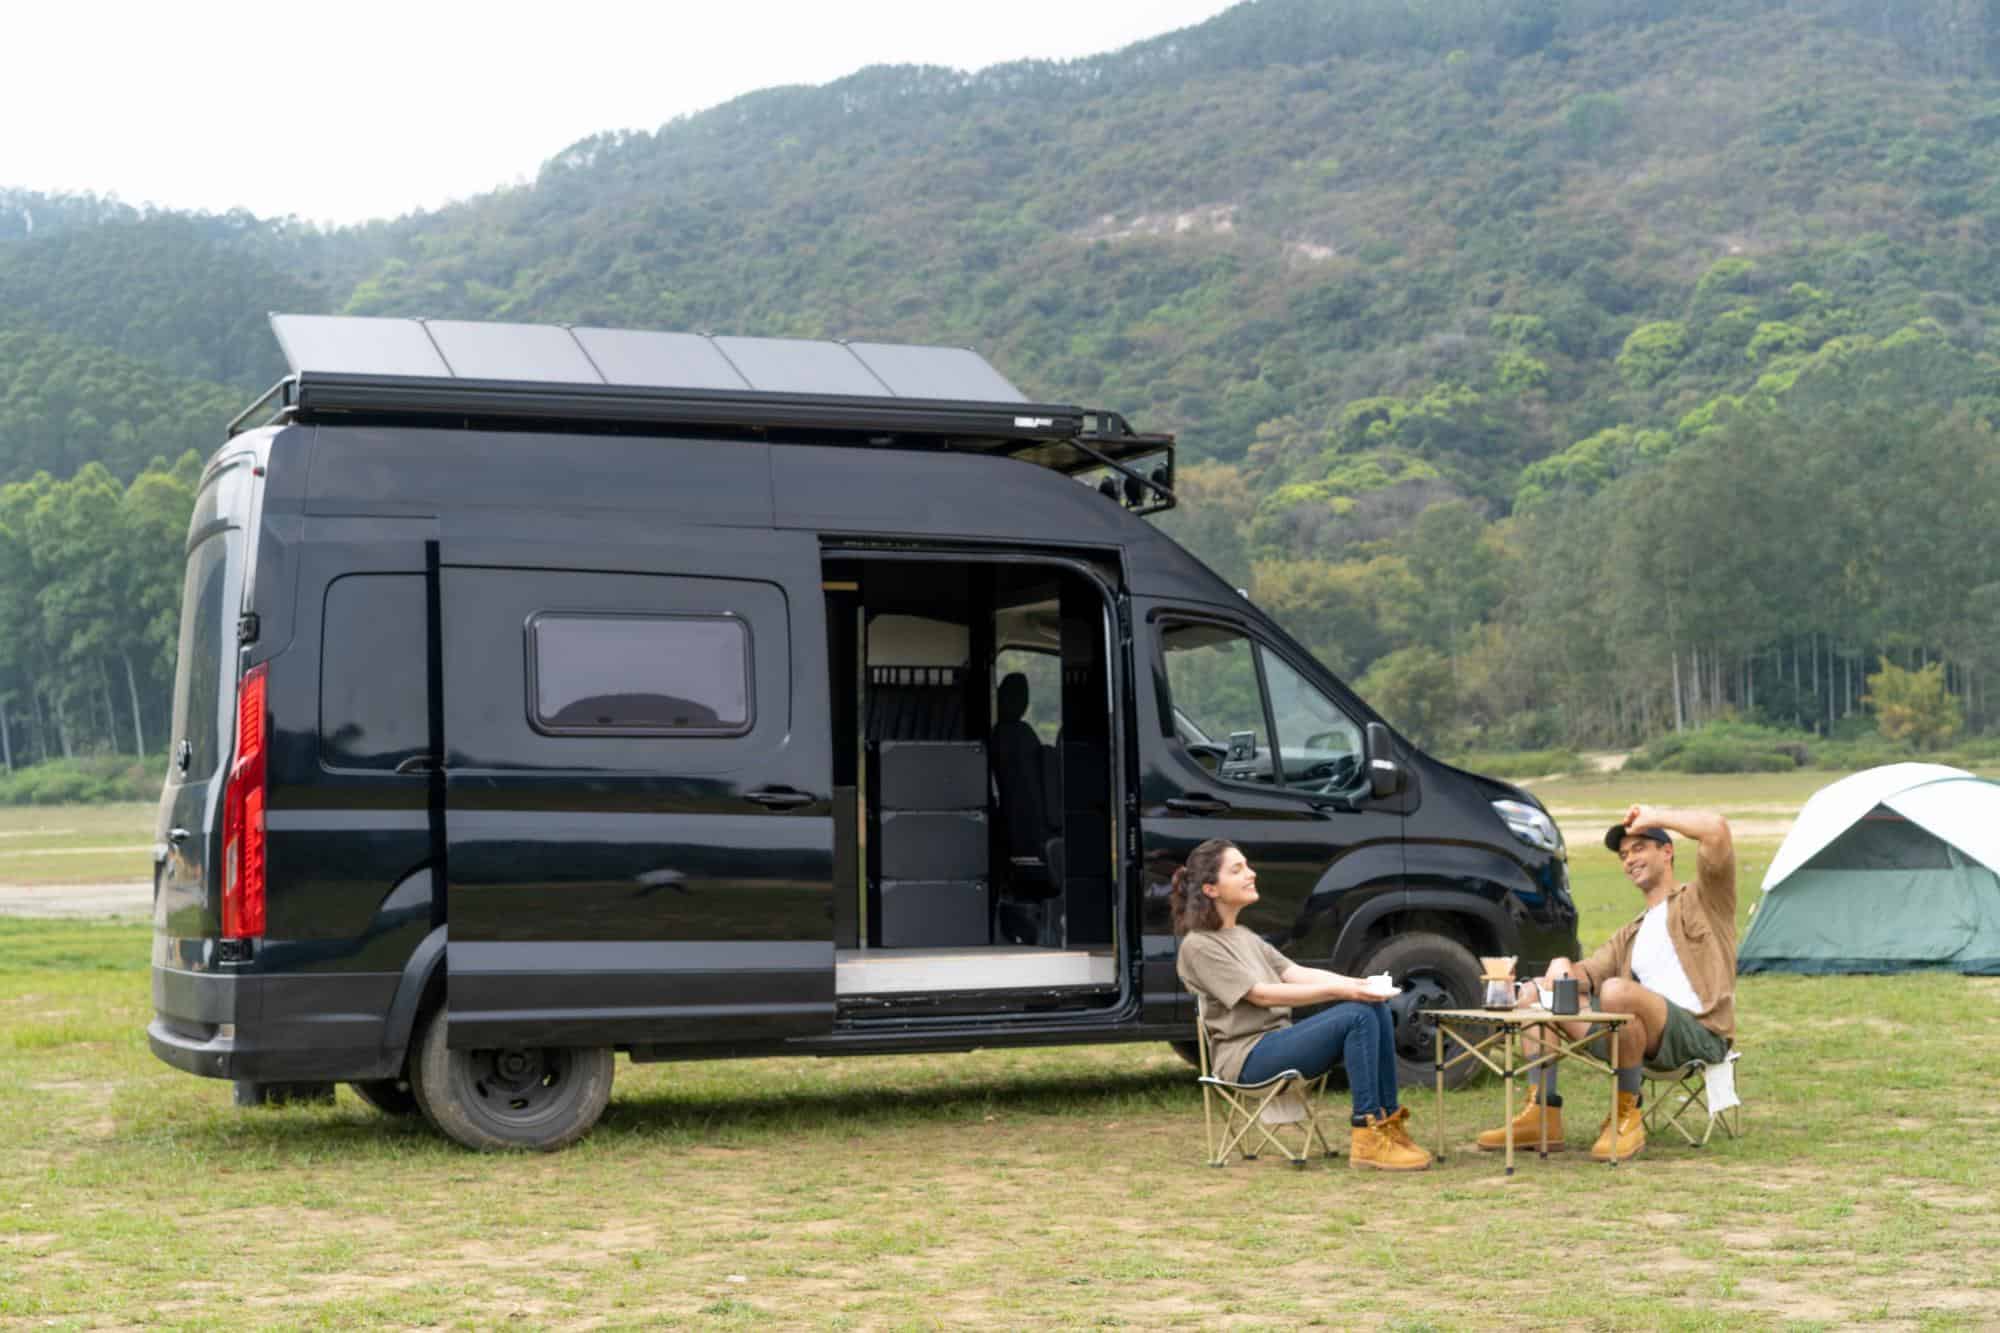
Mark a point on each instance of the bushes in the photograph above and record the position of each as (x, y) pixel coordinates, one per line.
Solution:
(94, 779)
(1873, 750)
(1509, 764)
(1739, 747)
(1724, 747)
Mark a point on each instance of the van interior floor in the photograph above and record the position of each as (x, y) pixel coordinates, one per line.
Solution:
(915, 971)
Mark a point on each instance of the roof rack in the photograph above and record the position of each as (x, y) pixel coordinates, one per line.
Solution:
(866, 395)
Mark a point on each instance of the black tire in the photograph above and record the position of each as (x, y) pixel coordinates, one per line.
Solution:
(535, 1098)
(1435, 973)
(390, 1096)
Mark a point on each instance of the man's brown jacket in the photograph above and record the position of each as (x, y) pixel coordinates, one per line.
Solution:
(1701, 921)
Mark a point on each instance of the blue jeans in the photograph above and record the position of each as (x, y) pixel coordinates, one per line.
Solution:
(1360, 1037)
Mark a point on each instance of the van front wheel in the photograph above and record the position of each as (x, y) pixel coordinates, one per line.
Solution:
(533, 1097)
(1434, 973)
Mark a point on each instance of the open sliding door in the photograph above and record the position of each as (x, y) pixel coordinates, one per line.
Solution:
(638, 790)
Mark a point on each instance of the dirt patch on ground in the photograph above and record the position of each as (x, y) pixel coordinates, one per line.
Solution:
(77, 900)
(1795, 1300)
(1948, 1197)
(1750, 1239)
(569, 1249)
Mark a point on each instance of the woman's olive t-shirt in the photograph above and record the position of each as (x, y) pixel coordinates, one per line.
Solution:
(1223, 965)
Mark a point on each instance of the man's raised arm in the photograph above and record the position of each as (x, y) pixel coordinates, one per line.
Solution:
(1716, 847)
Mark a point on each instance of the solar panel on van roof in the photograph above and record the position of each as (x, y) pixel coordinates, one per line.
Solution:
(558, 354)
(936, 372)
(544, 353)
(659, 360)
(358, 345)
(796, 365)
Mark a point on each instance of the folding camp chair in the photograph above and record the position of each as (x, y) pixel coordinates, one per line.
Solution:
(1253, 1115)
(1696, 1088)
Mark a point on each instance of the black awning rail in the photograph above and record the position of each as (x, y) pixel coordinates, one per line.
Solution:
(1069, 440)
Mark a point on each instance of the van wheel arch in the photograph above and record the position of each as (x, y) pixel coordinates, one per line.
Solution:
(418, 995)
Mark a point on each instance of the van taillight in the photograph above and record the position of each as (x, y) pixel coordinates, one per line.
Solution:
(243, 817)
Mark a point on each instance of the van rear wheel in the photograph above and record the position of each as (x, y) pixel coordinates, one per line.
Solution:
(532, 1097)
(1435, 972)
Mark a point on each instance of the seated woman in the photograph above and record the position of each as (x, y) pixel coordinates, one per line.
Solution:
(1249, 989)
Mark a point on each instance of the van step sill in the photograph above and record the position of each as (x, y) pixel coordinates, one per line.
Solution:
(932, 971)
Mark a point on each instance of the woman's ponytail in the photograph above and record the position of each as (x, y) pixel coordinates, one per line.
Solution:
(1192, 909)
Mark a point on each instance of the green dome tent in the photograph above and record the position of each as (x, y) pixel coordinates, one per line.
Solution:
(1889, 870)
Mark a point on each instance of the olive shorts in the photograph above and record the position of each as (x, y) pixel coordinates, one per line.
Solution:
(1686, 1039)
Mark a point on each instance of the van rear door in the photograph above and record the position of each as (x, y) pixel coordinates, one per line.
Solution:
(188, 832)
(638, 788)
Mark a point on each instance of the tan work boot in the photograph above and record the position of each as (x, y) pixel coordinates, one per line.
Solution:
(1373, 1145)
(1528, 1128)
(1627, 1137)
(1397, 1123)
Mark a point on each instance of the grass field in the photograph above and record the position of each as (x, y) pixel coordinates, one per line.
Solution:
(76, 844)
(1059, 1187)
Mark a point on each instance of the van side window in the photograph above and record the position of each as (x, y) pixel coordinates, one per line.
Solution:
(206, 652)
(649, 675)
(1217, 700)
(373, 675)
(1244, 714)
(1318, 744)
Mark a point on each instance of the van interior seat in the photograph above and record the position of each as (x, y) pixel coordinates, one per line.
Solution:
(1020, 771)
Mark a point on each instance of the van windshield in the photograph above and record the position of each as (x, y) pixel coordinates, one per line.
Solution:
(203, 682)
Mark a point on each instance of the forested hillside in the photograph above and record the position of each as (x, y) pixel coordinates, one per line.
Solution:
(1562, 370)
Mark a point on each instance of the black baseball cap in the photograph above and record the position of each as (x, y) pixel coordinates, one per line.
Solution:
(1614, 837)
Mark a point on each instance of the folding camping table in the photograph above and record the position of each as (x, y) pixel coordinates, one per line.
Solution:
(1509, 1027)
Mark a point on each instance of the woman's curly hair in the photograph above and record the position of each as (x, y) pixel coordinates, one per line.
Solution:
(1193, 909)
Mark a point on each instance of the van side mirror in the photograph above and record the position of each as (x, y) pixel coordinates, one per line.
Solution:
(1385, 775)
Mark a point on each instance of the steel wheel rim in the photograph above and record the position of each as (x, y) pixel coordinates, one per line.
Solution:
(1416, 1031)
(520, 1087)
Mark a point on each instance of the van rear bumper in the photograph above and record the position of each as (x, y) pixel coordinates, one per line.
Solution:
(330, 1027)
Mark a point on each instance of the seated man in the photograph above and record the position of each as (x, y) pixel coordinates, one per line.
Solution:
(1673, 967)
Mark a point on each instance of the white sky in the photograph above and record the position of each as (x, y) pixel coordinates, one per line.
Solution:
(365, 109)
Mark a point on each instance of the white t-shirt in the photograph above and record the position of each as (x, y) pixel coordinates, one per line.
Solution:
(1656, 965)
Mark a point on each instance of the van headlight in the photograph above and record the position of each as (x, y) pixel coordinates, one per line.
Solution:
(1531, 825)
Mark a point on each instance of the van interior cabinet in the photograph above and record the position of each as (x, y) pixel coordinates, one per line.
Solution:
(930, 839)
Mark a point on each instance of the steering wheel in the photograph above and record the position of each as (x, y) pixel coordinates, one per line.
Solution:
(1208, 755)
(1335, 775)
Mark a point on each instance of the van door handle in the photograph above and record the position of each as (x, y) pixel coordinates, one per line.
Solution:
(416, 763)
(177, 836)
(779, 798)
(1196, 805)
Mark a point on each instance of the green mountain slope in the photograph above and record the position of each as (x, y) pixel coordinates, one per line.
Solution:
(1550, 365)
(1251, 239)
(187, 293)
(65, 403)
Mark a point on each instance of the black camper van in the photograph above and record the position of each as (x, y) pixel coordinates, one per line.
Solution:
(548, 692)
